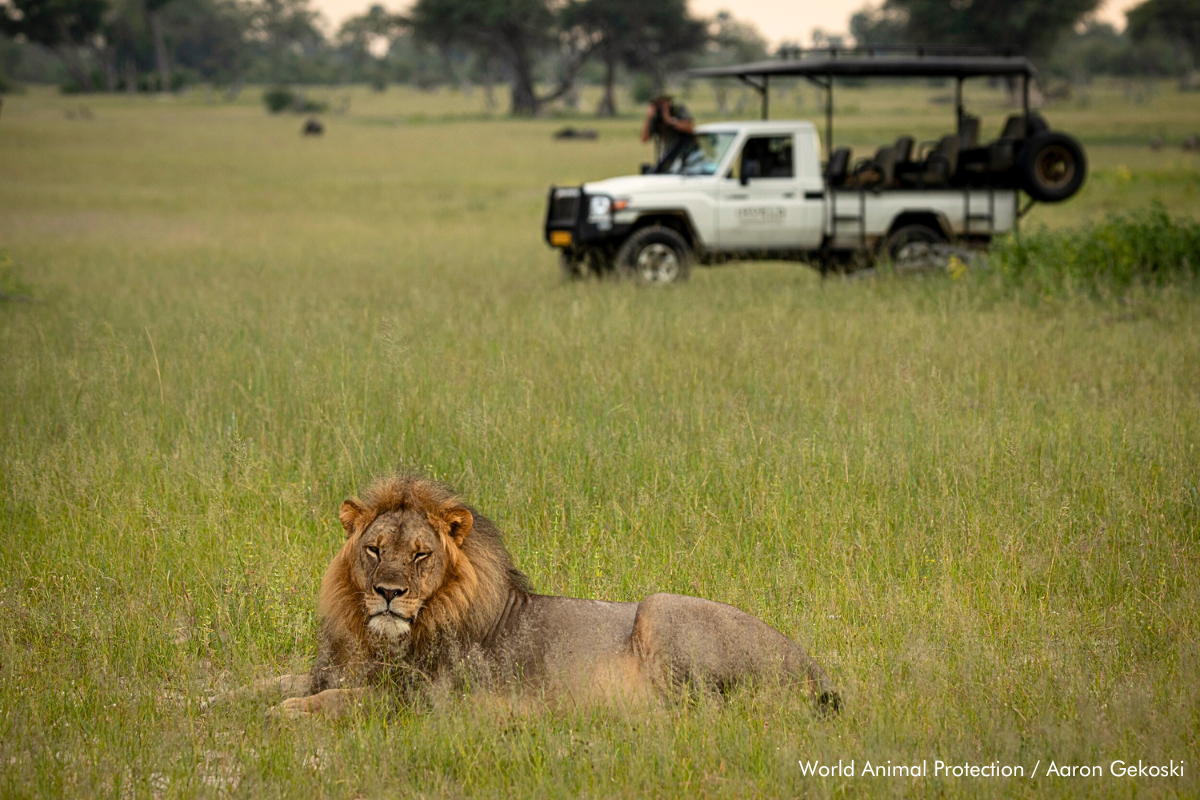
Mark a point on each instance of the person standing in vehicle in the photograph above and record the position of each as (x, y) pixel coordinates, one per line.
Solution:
(670, 124)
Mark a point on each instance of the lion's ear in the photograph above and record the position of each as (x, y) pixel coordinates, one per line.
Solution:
(460, 522)
(351, 512)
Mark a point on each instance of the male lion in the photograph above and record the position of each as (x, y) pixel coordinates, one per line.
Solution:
(423, 585)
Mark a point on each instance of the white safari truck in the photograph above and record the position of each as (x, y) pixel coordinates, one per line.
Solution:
(767, 189)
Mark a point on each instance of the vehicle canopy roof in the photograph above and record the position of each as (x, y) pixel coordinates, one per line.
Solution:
(822, 66)
(872, 63)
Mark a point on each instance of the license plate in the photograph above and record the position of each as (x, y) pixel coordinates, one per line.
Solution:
(560, 238)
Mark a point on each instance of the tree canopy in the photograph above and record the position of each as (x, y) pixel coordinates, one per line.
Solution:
(1032, 25)
(1173, 21)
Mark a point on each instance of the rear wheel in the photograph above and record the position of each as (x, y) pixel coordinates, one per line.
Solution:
(1052, 166)
(915, 247)
(655, 255)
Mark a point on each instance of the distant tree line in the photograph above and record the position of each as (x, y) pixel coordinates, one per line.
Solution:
(1162, 37)
(540, 48)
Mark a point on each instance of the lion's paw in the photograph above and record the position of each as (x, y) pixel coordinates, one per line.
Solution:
(292, 708)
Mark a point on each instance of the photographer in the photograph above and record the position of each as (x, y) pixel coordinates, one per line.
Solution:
(671, 125)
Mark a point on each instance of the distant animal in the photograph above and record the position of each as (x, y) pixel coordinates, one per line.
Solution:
(424, 585)
(1156, 143)
(1191, 143)
(574, 133)
(313, 127)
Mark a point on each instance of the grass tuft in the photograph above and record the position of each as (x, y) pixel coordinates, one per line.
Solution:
(1145, 247)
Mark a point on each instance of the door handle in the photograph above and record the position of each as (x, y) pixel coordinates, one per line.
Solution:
(789, 194)
(736, 196)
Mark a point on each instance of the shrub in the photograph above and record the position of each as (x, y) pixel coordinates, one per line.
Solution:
(279, 99)
(1145, 246)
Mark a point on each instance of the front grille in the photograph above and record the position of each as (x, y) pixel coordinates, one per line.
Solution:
(564, 210)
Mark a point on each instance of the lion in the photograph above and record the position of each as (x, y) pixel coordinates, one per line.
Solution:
(423, 585)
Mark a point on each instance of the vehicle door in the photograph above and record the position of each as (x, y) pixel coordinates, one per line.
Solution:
(762, 201)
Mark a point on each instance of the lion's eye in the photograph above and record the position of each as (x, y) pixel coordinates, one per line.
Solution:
(419, 557)
(373, 551)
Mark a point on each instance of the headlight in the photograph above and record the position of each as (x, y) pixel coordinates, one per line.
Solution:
(599, 208)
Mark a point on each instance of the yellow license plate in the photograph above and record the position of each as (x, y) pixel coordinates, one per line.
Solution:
(560, 238)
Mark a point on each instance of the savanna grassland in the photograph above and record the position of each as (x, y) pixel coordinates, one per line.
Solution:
(979, 509)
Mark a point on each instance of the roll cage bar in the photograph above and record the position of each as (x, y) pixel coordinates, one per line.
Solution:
(821, 65)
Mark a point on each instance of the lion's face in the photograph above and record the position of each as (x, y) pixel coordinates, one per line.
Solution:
(399, 563)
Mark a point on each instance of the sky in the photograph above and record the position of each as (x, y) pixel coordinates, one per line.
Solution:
(779, 20)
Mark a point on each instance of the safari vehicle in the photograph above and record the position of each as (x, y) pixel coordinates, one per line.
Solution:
(767, 189)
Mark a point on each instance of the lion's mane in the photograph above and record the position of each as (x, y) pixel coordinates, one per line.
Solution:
(479, 574)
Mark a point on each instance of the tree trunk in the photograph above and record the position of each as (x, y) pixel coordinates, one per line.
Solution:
(489, 97)
(448, 65)
(160, 51)
(608, 103)
(108, 58)
(76, 66)
(524, 94)
(130, 78)
(235, 88)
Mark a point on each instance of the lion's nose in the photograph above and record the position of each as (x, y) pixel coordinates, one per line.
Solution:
(388, 593)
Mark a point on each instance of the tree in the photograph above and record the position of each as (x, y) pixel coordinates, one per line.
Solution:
(732, 41)
(154, 21)
(208, 38)
(512, 31)
(365, 37)
(1176, 21)
(285, 33)
(876, 26)
(613, 22)
(64, 26)
(668, 37)
(651, 37)
(1033, 25)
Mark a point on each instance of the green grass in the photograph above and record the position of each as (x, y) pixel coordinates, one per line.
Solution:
(980, 514)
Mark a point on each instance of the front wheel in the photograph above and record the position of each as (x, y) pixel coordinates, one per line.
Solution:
(655, 255)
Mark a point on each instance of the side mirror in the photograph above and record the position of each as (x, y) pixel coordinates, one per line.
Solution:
(647, 169)
(750, 169)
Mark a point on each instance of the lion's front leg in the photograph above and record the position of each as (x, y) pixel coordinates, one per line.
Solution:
(282, 686)
(329, 703)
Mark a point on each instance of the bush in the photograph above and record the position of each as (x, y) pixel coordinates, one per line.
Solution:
(1144, 247)
(279, 99)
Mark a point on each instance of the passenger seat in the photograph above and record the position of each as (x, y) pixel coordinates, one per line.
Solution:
(939, 167)
(835, 170)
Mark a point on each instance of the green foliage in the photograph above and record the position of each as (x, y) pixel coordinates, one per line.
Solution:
(1032, 25)
(11, 282)
(1143, 247)
(1172, 21)
(643, 89)
(278, 99)
(1098, 49)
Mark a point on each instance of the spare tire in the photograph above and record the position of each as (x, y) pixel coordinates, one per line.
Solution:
(1052, 166)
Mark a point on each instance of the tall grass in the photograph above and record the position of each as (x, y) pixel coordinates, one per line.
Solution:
(980, 517)
(1142, 247)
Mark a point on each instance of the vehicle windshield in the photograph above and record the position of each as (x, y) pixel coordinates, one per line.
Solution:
(701, 154)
